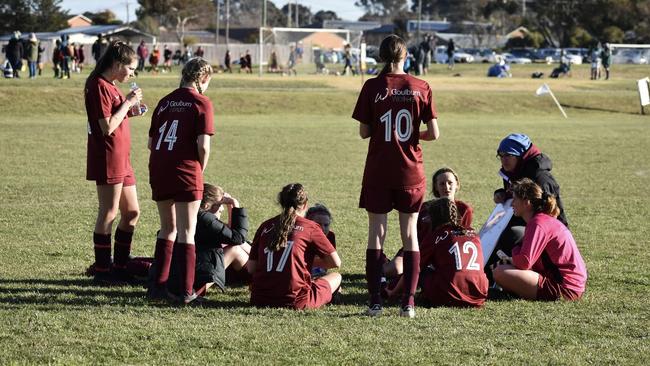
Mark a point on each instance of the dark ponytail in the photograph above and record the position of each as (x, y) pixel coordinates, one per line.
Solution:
(117, 51)
(391, 51)
(541, 201)
(290, 198)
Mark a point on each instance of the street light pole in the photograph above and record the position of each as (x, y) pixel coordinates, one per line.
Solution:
(419, 20)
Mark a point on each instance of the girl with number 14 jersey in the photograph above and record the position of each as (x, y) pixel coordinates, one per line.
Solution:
(390, 109)
(179, 141)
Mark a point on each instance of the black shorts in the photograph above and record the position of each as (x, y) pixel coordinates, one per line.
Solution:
(209, 267)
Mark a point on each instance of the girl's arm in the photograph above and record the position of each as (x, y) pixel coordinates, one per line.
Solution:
(432, 132)
(203, 141)
(364, 130)
(331, 260)
(149, 143)
(109, 125)
(250, 266)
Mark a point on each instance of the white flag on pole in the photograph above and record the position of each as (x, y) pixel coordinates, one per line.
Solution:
(544, 89)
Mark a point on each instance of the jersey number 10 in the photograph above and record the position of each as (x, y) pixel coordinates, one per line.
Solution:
(403, 125)
(170, 138)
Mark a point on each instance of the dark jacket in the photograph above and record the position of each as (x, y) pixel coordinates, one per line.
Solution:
(210, 234)
(14, 50)
(537, 167)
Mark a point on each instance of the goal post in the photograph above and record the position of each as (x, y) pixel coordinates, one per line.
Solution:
(271, 37)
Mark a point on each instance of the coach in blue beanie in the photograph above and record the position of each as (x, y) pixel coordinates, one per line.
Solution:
(519, 159)
(515, 144)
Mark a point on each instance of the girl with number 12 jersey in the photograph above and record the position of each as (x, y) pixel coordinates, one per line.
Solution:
(390, 109)
(179, 141)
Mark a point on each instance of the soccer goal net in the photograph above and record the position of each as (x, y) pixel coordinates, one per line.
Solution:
(623, 53)
(305, 46)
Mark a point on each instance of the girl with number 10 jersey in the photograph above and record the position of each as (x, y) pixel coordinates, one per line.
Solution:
(391, 108)
(179, 140)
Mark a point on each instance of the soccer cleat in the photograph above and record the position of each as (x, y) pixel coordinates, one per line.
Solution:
(407, 311)
(374, 310)
(182, 299)
(156, 293)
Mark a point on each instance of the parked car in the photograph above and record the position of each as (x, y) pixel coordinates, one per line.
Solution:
(576, 56)
(549, 55)
(528, 53)
(629, 56)
(440, 56)
(512, 59)
(484, 55)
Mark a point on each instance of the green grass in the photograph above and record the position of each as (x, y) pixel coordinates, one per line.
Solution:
(277, 130)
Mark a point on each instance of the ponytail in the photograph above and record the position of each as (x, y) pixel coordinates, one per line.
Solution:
(391, 51)
(195, 69)
(117, 51)
(444, 211)
(541, 201)
(290, 198)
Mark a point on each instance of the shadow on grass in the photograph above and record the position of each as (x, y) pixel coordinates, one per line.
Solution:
(584, 108)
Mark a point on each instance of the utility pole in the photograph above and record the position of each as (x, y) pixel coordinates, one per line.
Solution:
(289, 14)
(227, 22)
(297, 10)
(419, 20)
(128, 20)
(264, 15)
(523, 7)
(216, 34)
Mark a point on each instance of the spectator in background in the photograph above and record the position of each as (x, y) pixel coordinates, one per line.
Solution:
(226, 62)
(14, 52)
(177, 57)
(167, 56)
(57, 59)
(451, 47)
(274, 66)
(31, 54)
(291, 64)
(68, 54)
(187, 55)
(39, 59)
(199, 52)
(425, 47)
(143, 54)
(606, 58)
(80, 57)
(249, 62)
(154, 58)
(99, 47)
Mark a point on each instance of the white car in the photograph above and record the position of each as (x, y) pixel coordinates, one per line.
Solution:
(440, 55)
(512, 59)
(573, 55)
(629, 56)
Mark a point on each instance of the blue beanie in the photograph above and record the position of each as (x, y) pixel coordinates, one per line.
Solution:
(515, 144)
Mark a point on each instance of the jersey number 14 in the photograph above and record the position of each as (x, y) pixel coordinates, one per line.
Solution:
(170, 138)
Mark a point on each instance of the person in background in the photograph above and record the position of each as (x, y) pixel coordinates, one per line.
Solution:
(14, 52)
(31, 54)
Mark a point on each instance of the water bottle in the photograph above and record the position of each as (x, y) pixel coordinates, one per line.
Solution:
(136, 106)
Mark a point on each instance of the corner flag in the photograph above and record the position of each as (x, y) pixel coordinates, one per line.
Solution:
(545, 89)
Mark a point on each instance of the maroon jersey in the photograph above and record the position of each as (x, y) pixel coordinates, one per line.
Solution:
(177, 121)
(465, 212)
(394, 106)
(282, 278)
(332, 238)
(457, 262)
(108, 156)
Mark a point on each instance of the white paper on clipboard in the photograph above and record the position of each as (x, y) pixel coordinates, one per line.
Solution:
(493, 227)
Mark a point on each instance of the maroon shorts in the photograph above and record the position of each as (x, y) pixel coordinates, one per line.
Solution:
(178, 196)
(126, 181)
(549, 290)
(383, 200)
(320, 294)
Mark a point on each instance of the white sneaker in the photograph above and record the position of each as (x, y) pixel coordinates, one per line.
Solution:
(407, 312)
(374, 310)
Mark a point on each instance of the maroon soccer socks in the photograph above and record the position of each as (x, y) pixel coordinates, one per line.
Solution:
(102, 246)
(411, 276)
(122, 249)
(374, 264)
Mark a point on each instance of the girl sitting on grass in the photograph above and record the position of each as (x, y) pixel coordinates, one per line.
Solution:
(282, 249)
(547, 265)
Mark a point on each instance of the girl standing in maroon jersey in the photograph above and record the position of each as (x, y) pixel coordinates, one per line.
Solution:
(108, 159)
(391, 108)
(179, 140)
(282, 249)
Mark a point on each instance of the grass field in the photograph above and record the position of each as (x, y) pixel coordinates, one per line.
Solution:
(275, 130)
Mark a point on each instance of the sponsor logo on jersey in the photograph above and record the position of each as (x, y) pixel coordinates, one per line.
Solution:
(162, 109)
(398, 95)
(267, 230)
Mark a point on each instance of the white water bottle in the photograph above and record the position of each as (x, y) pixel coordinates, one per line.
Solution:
(136, 106)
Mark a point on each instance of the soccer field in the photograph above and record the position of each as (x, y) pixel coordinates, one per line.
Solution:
(274, 130)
